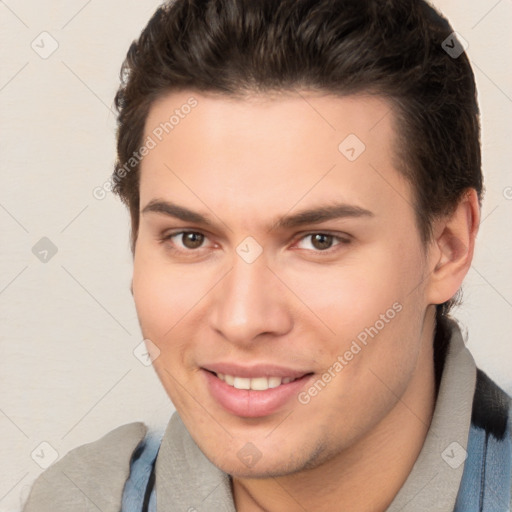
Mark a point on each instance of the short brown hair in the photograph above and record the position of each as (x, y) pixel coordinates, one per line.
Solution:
(392, 48)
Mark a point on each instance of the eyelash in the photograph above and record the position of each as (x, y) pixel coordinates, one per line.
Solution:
(341, 241)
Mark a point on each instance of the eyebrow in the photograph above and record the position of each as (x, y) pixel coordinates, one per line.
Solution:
(303, 217)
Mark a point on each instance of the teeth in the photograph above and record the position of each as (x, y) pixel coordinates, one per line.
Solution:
(256, 384)
(273, 382)
(242, 383)
(259, 384)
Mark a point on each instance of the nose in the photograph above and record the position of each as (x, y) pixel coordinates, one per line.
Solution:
(250, 303)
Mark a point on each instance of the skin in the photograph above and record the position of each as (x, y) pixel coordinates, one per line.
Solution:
(244, 164)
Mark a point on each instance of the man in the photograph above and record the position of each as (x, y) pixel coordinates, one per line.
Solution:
(304, 184)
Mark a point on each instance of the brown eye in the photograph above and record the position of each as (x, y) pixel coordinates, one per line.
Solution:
(321, 241)
(192, 240)
(184, 243)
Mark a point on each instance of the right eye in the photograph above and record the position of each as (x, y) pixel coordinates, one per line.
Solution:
(185, 240)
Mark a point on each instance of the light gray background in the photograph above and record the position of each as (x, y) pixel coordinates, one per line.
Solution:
(68, 326)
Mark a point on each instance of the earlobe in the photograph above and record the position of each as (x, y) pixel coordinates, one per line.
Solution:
(451, 253)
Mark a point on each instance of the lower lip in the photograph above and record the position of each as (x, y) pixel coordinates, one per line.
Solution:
(249, 403)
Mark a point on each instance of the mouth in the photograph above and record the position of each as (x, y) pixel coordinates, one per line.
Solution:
(261, 394)
(255, 383)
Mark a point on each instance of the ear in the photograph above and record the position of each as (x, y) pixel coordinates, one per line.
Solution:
(451, 252)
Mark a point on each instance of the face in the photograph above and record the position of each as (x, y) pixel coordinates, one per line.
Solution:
(279, 273)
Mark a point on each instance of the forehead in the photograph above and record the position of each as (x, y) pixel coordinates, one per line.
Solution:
(271, 151)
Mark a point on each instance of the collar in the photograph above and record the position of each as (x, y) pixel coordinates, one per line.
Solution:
(435, 478)
(187, 480)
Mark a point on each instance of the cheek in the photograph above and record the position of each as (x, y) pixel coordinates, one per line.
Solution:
(350, 292)
(346, 298)
(163, 293)
(164, 296)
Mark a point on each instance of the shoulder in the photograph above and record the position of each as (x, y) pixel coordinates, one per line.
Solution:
(492, 407)
(492, 413)
(89, 477)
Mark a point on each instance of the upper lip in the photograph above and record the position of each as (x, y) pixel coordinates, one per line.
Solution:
(255, 370)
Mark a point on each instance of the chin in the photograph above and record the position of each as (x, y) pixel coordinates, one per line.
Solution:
(258, 467)
(241, 471)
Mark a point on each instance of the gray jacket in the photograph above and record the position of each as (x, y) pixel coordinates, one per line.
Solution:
(92, 477)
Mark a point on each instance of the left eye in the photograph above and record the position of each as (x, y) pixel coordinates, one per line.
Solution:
(322, 241)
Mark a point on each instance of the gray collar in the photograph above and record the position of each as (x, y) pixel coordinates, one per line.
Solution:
(186, 480)
(435, 478)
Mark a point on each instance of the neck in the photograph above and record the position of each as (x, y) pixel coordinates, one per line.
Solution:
(369, 474)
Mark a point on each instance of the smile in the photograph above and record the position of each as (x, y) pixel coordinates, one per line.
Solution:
(256, 383)
(258, 392)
